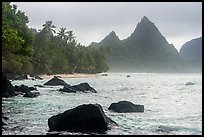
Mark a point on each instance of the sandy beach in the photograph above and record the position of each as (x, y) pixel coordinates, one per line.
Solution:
(75, 75)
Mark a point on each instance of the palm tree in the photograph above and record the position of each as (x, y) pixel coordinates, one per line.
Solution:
(48, 27)
(62, 33)
(71, 36)
(62, 37)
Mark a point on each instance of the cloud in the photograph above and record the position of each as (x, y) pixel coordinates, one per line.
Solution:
(92, 21)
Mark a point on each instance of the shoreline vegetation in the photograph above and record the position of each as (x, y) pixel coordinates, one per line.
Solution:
(46, 51)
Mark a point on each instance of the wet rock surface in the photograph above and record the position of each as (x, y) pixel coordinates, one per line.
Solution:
(56, 82)
(125, 107)
(82, 87)
(83, 118)
(7, 88)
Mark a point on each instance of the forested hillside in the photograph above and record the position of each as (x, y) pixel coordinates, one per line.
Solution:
(28, 51)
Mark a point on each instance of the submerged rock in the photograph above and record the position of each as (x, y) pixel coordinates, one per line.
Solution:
(125, 107)
(83, 87)
(31, 94)
(83, 118)
(41, 86)
(7, 88)
(189, 83)
(104, 74)
(56, 82)
(166, 129)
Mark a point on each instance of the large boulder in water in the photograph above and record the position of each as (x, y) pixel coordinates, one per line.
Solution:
(22, 88)
(7, 88)
(125, 107)
(82, 87)
(84, 118)
(56, 82)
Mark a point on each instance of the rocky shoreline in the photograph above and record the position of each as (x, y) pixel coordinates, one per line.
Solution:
(88, 118)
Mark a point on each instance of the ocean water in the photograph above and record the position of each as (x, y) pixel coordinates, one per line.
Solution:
(171, 107)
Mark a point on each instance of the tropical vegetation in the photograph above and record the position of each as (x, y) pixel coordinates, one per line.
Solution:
(28, 51)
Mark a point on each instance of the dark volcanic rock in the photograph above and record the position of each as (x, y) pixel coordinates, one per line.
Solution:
(125, 107)
(33, 79)
(22, 88)
(83, 118)
(7, 88)
(83, 87)
(56, 82)
(104, 74)
(39, 86)
(31, 94)
(32, 88)
(68, 89)
(189, 83)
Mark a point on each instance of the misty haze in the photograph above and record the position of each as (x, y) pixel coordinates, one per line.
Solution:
(82, 70)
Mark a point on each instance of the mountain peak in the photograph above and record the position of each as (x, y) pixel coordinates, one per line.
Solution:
(145, 19)
(146, 29)
(112, 33)
(111, 36)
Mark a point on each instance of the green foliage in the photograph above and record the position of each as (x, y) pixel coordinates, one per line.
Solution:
(11, 64)
(26, 51)
(16, 41)
(27, 66)
(16, 64)
(11, 42)
(62, 54)
(16, 37)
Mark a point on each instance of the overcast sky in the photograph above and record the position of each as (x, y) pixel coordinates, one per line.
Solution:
(179, 22)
